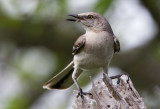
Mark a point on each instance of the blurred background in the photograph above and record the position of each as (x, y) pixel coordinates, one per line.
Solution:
(36, 42)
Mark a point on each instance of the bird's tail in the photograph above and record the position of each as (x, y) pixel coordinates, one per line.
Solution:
(63, 79)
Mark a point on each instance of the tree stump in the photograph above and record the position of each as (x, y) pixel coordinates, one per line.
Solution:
(105, 95)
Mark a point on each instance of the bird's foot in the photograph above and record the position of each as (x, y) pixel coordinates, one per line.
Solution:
(118, 77)
(81, 93)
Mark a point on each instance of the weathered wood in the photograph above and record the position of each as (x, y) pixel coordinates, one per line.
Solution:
(106, 95)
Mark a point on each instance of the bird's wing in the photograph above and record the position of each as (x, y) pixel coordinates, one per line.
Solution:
(116, 45)
(78, 45)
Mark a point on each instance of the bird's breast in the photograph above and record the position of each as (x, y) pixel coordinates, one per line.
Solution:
(98, 50)
(98, 43)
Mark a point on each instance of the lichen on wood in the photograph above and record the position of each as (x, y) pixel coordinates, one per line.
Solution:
(106, 95)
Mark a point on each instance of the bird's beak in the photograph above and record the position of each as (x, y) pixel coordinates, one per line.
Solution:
(75, 16)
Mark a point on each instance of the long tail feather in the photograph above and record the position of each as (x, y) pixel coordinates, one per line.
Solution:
(62, 80)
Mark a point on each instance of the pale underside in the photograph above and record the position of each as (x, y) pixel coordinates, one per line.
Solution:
(97, 51)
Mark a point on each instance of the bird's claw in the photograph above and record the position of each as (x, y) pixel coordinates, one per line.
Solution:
(81, 93)
(118, 77)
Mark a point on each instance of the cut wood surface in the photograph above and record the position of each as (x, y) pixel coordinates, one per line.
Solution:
(106, 95)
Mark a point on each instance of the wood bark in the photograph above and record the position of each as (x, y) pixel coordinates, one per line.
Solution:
(106, 95)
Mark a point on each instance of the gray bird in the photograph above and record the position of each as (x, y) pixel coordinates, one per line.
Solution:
(92, 50)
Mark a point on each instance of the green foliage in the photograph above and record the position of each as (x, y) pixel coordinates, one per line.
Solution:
(156, 52)
(102, 5)
(62, 6)
(18, 102)
(50, 8)
(8, 23)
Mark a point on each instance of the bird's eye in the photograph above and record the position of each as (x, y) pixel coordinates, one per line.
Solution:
(90, 17)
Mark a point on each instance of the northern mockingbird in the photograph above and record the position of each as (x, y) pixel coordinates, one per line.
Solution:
(92, 50)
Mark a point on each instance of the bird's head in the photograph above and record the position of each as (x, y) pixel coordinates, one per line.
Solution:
(91, 21)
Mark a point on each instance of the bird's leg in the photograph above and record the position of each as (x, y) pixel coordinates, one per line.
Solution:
(74, 77)
(105, 69)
